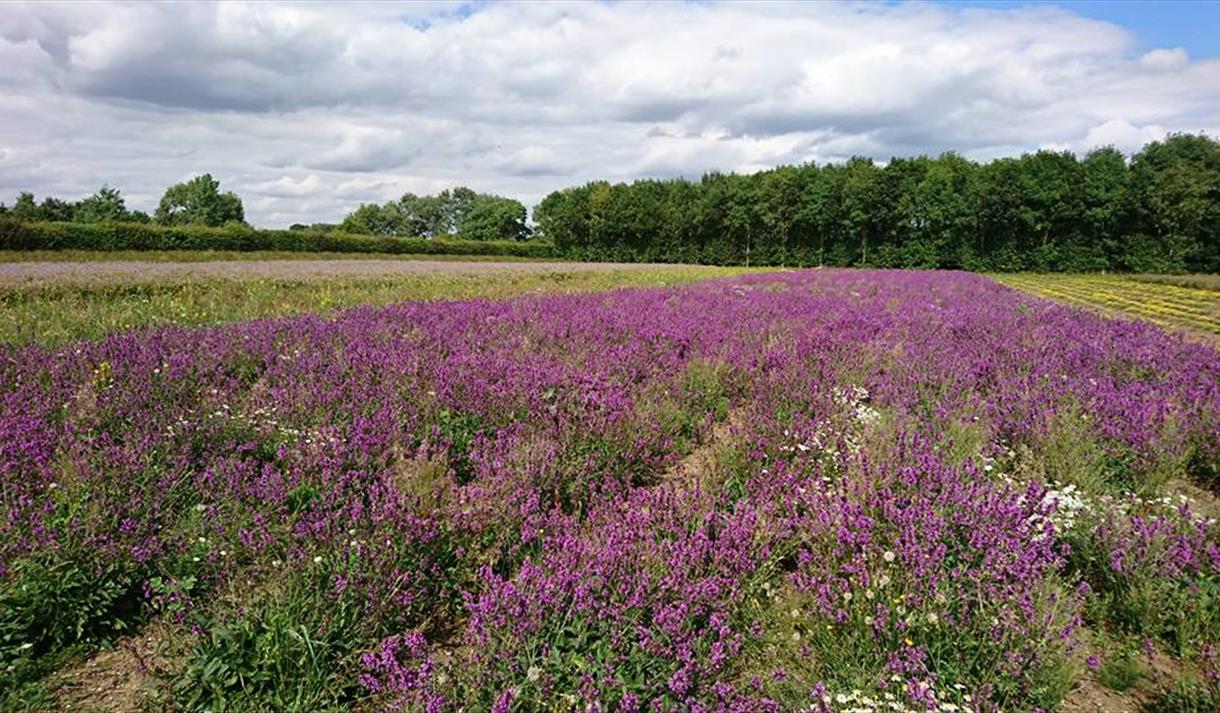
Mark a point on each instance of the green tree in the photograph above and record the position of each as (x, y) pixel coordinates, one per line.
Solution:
(494, 218)
(25, 208)
(1175, 191)
(1105, 218)
(56, 209)
(861, 210)
(373, 219)
(199, 201)
(105, 205)
(453, 206)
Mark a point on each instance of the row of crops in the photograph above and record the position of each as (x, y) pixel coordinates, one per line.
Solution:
(814, 490)
(1172, 305)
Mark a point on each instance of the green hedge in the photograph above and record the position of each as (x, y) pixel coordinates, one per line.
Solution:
(16, 235)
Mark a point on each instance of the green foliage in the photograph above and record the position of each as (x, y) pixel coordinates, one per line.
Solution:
(290, 649)
(460, 211)
(107, 205)
(199, 202)
(21, 235)
(1120, 671)
(459, 431)
(1133, 594)
(1186, 696)
(557, 659)
(845, 655)
(1045, 211)
(56, 604)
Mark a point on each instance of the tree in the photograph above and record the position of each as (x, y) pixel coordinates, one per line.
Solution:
(1175, 187)
(420, 217)
(105, 205)
(860, 202)
(56, 210)
(460, 211)
(452, 208)
(1104, 194)
(199, 201)
(25, 208)
(494, 218)
(373, 219)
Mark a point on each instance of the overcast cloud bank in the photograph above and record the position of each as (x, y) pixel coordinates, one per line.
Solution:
(308, 110)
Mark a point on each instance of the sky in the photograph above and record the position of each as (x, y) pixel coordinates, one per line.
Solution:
(307, 110)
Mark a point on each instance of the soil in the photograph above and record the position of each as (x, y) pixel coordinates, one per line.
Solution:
(1091, 696)
(117, 680)
(1203, 502)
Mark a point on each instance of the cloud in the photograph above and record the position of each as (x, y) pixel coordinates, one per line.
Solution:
(533, 161)
(1165, 59)
(287, 186)
(365, 149)
(307, 109)
(1122, 135)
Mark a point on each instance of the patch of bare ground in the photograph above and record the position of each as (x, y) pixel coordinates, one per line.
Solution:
(1203, 502)
(117, 680)
(700, 465)
(1160, 671)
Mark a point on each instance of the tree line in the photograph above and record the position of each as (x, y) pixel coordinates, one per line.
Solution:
(459, 211)
(1045, 211)
(198, 201)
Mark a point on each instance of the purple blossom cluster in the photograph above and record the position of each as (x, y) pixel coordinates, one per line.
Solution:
(743, 494)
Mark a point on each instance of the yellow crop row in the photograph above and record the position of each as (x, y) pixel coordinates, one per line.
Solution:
(1170, 305)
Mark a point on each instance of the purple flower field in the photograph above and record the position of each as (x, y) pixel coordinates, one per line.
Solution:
(811, 490)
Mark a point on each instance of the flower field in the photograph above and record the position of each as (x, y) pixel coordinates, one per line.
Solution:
(803, 491)
(87, 297)
(1190, 303)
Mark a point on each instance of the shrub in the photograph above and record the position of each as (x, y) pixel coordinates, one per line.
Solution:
(18, 235)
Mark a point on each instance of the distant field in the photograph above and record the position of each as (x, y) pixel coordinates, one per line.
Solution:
(139, 272)
(43, 303)
(1187, 301)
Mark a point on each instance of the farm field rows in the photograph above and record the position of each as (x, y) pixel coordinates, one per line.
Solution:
(822, 490)
(53, 302)
(1191, 302)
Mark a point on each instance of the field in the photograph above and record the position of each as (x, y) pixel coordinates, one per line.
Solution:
(817, 490)
(1191, 301)
(90, 295)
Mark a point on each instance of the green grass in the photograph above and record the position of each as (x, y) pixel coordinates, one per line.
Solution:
(57, 314)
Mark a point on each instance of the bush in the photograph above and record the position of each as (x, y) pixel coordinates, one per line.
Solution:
(54, 604)
(18, 235)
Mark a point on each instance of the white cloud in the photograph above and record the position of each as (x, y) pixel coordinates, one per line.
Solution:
(1165, 59)
(1123, 135)
(307, 109)
(287, 186)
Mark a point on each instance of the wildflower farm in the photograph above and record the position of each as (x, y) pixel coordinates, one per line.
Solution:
(809, 490)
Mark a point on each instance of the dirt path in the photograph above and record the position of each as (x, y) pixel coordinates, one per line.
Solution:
(33, 274)
(118, 680)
